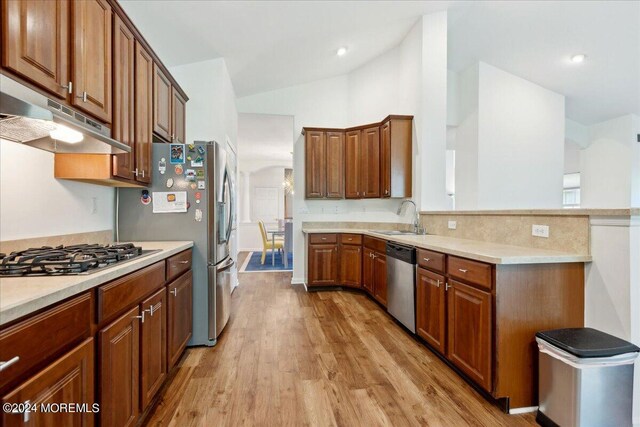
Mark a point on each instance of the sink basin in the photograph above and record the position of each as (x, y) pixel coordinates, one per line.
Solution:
(395, 232)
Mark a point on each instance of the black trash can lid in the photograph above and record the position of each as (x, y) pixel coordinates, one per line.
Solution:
(587, 342)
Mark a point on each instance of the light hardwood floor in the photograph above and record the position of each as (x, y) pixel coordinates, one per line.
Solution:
(292, 358)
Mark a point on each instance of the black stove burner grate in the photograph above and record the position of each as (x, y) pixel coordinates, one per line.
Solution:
(65, 260)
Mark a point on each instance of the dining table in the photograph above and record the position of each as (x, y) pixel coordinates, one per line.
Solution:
(274, 233)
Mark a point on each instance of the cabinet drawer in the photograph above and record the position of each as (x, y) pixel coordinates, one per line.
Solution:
(351, 239)
(178, 264)
(117, 296)
(37, 338)
(323, 238)
(470, 271)
(431, 260)
(375, 244)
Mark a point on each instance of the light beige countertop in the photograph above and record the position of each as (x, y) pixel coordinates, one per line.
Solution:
(544, 212)
(493, 253)
(20, 296)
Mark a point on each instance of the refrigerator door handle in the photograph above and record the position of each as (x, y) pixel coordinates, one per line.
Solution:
(229, 228)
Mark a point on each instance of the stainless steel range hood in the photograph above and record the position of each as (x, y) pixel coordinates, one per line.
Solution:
(29, 117)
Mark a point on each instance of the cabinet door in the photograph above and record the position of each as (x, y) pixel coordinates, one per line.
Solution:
(351, 265)
(68, 379)
(385, 159)
(123, 97)
(179, 316)
(370, 163)
(161, 104)
(119, 345)
(315, 164)
(92, 58)
(469, 325)
(144, 113)
(36, 42)
(367, 270)
(323, 265)
(380, 278)
(430, 308)
(153, 346)
(353, 162)
(335, 165)
(178, 117)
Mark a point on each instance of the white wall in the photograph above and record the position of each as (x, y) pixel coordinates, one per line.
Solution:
(519, 142)
(610, 165)
(572, 152)
(389, 84)
(34, 204)
(211, 109)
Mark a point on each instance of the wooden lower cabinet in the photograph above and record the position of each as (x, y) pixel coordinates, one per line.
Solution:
(380, 278)
(470, 331)
(119, 346)
(350, 265)
(322, 264)
(67, 380)
(367, 270)
(179, 316)
(430, 308)
(374, 274)
(153, 346)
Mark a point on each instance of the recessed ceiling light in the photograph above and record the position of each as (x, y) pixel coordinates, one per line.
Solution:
(578, 58)
(342, 51)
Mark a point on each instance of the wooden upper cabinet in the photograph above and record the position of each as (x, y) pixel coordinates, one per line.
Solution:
(353, 164)
(396, 157)
(144, 113)
(470, 327)
(123, 128)
(370, 163)
(92, 60)
(162, 117)
(178, 117)
(119, 357)
(334, 165)
(315, 164)
(179, 316)
(69, 379)
(35, 42)
(385, 159)
(430, 308)
(153, 346)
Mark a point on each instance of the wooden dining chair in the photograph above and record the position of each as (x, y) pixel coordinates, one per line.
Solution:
(267, 243)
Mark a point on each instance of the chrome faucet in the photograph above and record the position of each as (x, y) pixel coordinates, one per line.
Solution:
(416, 216)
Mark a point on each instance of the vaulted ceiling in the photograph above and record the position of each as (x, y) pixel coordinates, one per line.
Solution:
(273, 44)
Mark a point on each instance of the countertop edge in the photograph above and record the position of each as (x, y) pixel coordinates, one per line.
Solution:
(556, 258)
(18, 310)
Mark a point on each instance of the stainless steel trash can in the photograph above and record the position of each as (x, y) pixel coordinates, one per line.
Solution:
(585, 378)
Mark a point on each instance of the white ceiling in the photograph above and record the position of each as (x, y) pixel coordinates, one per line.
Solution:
(267, 138)
(273, 44)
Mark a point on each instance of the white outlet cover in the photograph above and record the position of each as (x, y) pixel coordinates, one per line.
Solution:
(540, 230)
(453, 225)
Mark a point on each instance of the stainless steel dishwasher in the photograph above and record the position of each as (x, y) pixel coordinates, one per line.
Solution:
(401, 286)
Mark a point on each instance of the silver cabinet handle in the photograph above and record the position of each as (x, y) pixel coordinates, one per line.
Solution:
(174, 292)
(12, 361)
(143, 173)
(349, 239)
(140, 317)
(446, 286)
(324, 238)
(83, 96)
(438, 284)
(462, 270)
(184, 262)
(68, 87)
(427, 259)
(135, 171)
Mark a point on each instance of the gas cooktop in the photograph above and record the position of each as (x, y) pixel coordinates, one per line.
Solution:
(67, 260)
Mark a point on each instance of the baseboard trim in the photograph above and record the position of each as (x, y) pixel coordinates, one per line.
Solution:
(524, 410)
(298, 281)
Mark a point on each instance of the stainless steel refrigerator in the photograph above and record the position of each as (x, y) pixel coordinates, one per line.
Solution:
(200, 174)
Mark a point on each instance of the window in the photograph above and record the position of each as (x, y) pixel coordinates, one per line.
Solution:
(571, 190)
